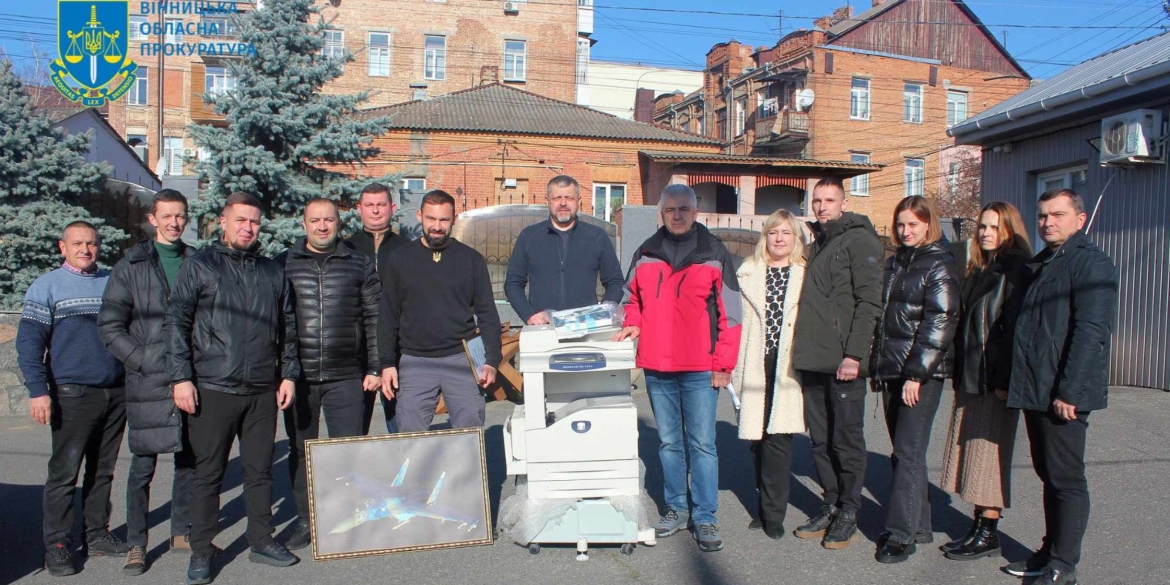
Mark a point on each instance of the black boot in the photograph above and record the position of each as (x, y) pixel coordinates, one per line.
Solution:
(955, 544)
(985, 543)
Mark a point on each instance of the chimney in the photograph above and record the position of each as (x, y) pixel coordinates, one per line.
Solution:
(644, 105)
(489, 74)
(877, 3)
(823, 23)
(842, 13)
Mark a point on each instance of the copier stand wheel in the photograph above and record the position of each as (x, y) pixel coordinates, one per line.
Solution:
(534, 548)
(628, 549)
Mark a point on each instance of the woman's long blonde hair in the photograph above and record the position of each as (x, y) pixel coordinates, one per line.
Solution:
(779, 217)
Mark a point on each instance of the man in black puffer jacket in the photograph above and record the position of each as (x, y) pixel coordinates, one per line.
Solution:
(232, 339)
(130, 323)
(337, 293)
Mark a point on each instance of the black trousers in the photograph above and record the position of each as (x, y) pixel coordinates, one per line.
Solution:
(773, 458)
(908, 511)
(835, 414)
(138, 494)
(86, 425)
(344, 406)
(1058, 455)
(389, 409)
(217, 421)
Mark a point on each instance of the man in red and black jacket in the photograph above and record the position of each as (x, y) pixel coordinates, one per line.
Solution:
(684, 306)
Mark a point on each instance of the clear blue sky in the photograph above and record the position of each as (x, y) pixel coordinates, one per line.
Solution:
(682, 39)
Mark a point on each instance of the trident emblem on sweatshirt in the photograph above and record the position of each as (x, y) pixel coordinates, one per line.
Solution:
(436, 256)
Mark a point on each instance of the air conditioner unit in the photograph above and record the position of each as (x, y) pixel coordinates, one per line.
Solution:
(1132, 137)
(509, 183)
(512, 7)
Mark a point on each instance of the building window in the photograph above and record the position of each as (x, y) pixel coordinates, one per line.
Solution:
(138, 143)
(137, 24)
(740, 116)
(953, 175)
(218, 80)
(915, 177)
(721, 124)
(582, 60)
(956, 107)
(859, 185)
(418, 94)
(379, 55)
(172, 155)
(174, 31)
(607, 199)
(334, 45)
(859, 99)
(515, 58)
(414, 185)
(435, 57)
(1075, 178)
(219, 26)
(138, 94)
(912, 103)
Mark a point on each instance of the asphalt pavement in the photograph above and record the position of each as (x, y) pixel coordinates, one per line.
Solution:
(1128, 463)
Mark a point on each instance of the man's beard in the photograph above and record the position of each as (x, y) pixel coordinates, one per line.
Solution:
(250, 247)
(439, 241)
(568, 215)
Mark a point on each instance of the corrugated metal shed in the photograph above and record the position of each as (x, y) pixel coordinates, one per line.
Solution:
(504, 109)
(1075, 80)
(1132, 227)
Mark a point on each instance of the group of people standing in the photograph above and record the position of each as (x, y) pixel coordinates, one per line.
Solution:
(1013, 331)
(195, 349)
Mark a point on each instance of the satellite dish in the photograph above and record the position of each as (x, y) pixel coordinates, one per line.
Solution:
(804, 99)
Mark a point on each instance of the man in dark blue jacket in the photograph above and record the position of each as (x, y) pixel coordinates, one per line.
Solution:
(560, 260)
(1060, 373)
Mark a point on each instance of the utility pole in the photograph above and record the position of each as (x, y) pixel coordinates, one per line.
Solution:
(1005, 38)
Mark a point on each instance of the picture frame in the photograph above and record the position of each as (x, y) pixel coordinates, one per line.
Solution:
(397, 493)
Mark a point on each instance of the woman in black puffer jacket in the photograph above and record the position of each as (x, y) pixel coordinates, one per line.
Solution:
(911, 357)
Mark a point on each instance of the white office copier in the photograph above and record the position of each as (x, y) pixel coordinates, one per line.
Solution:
(573, 445)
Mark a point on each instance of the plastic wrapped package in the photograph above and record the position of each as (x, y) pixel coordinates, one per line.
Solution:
(523, 518)
(576, 322)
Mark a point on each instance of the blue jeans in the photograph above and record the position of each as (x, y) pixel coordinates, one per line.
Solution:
(684, 404)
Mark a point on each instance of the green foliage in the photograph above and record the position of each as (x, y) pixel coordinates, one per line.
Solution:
(284, 138)
(44, 178)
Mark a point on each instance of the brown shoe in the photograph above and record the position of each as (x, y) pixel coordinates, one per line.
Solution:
(181, 544)
(135, 561)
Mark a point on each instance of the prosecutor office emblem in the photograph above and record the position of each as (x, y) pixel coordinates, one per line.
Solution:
(92, 42)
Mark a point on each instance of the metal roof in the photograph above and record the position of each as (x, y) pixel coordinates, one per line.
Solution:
(1096, 77)
(505, 109)
(736, 159)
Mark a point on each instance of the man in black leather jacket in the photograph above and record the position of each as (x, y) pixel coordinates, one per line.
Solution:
(232, 356)
(337, 293)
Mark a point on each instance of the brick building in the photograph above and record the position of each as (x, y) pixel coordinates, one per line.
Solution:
(879, 87)
(403, 50)
(497, 144)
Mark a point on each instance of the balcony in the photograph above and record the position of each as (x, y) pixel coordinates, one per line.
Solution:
(786, 127)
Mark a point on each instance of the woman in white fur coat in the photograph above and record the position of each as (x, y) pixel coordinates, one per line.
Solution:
(772, 405)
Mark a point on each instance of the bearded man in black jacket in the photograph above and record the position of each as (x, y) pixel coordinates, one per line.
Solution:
(337, 292)
(232, 356)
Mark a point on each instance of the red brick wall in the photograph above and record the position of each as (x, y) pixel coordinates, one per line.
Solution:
(440, 158)
(887, 138)
(475, 32)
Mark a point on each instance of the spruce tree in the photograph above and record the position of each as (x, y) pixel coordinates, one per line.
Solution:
(44, 178)
(282, 132)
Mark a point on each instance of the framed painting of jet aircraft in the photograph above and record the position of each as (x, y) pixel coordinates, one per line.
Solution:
(397, 493)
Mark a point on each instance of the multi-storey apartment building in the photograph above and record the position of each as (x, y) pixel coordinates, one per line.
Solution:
(879, 87)
(403, 50)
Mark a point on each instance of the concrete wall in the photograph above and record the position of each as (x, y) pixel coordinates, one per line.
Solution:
(611, 86)
(13, 396)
